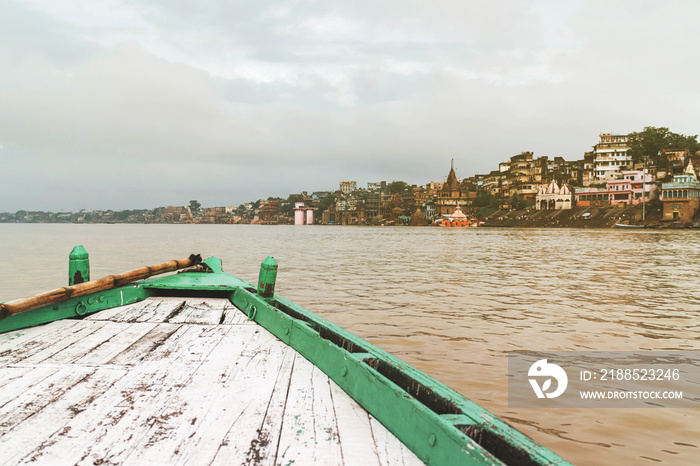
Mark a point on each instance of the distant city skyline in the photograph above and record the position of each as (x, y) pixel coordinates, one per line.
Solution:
(130, 105)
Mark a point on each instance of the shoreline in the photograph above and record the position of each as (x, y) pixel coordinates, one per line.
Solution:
(584, 218)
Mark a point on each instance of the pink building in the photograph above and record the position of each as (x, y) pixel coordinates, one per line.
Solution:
(301, 211)
(628, 188)
(625, 190)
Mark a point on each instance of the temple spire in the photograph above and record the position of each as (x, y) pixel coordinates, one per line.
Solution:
(452, 183)
(690, 169)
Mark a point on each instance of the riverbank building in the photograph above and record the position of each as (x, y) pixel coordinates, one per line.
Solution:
(553, 197)
(681, 198)
(452, 195)
(611, 156)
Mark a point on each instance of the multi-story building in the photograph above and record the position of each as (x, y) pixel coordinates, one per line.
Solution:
(564, 172)
(434, 187)
(377, 186)
(341, 204)
(524, 175)
(347, 187)
(539, 169)
(587, 169)
(676, 158)
(373, 201)
(611, 156)
(429, 209)
(519, 166)
(493, 183)
(269, 210)
(421, 195)
(681, 198)
(626, 190)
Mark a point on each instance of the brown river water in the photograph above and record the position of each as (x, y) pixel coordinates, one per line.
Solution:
(452, 302)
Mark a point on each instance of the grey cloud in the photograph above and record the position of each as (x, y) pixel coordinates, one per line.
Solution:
(27, 35)
(230, 101)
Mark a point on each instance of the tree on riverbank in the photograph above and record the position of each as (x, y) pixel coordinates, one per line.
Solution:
(647, 144)
(486, 203)
(519, 203)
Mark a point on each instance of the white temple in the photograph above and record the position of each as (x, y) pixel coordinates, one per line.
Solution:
(553, 197)
(458, 215)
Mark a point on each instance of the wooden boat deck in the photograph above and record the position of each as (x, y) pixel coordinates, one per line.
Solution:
(176, 381)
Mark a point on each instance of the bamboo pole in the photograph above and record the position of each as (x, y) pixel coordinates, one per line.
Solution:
(59, 295)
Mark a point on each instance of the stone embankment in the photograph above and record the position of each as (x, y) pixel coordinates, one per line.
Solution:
(579, 217)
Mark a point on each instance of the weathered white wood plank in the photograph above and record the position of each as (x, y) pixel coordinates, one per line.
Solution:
(199, 311)
(309, 429)
(35, 433)
(356, 440)
(47, 390)
(83, 347)
(10, 374)
(164, 310)
(65, 333)
(128, 313)
(391, 451)
(26, 342)
(258, 444)
(166, 440)
(21, 336)
(112, 313)
(126, 337)
(230, 391)
(126, 387)
(18, 385)
(151, 341)
(109, 431)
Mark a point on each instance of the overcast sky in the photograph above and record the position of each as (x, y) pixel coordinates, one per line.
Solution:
(127, 104)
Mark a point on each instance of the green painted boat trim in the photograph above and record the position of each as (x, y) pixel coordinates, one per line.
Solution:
(438, 424)
(76, 307)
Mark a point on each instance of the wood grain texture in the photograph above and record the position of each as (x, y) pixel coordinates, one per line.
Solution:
(176, 381)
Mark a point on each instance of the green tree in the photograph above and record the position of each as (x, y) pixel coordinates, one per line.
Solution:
(486, 203)
(518, 203)
(646, 144)
(397, 187)
(195, 205)
(325, 202)
(484, 199)
(288, 207)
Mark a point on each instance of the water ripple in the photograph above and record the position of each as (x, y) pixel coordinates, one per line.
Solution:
(452, 302)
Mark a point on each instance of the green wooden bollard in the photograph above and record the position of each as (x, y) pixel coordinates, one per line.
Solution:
(267, 279)
(78, 266)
